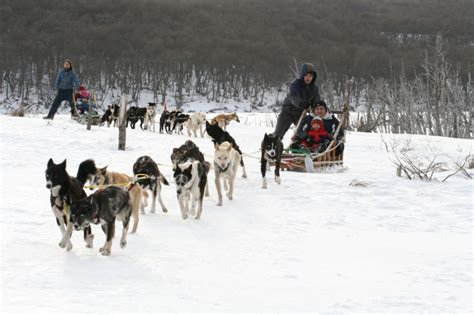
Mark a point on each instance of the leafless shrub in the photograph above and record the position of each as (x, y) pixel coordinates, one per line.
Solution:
(412, 165)
(18, 112)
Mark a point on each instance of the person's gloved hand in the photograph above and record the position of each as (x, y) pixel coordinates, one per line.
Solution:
(305, 105)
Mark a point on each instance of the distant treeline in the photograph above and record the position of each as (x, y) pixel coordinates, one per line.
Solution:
(229, 49)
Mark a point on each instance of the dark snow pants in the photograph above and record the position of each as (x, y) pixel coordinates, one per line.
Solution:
(63, 95)
(285, 119)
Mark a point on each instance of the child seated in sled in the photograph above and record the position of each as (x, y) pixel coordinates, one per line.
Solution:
(315, 139)
(82, 99)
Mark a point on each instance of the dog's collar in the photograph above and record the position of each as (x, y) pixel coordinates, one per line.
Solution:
(269, 157)
(131, 186)
(223, 170)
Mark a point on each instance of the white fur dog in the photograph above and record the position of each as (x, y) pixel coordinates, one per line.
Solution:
(226, 162)
(150, 117)
(195, 122)
(191, 182)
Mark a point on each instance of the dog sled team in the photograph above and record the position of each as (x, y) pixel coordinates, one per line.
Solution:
(125, 197)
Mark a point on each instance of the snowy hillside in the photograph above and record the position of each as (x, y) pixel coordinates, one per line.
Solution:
(312, 244)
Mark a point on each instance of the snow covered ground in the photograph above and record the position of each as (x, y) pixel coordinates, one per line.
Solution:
(312, 244)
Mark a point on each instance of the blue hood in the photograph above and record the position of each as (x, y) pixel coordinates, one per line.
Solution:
(308, 68)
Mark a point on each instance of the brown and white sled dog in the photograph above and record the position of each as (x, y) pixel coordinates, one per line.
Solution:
(103, 177)
(150, 117)
(222, 120)
(196, 121)
(64, 190)
(191, 180)
(226, 162)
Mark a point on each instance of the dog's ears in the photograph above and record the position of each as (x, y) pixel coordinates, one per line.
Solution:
(266, 136)
(216, 146)
(63, 164)
(103, 170)
(230, 147)
(50, 162)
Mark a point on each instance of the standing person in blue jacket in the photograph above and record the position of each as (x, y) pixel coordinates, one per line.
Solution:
(304, 93)
(66, 83)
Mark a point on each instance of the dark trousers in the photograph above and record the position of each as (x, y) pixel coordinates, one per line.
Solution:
(285, 119)
(63, 95)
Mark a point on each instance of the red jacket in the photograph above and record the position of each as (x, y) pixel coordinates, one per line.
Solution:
(314, 137)
(83, 93)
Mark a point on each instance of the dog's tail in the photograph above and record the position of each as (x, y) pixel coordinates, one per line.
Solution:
(86, 168)
(163, 180)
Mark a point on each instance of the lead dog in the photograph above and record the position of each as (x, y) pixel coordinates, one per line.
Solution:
(64, 190)
(191, 181)
(271, 148)
(102, 177)
(226, 162)
(153, 180)
(103, 207)
(195, 122)
(222, 120)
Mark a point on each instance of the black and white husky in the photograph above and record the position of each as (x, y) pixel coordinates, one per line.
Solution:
(103, 207)
(179, 120)
(191, 180)
(271, 148)
(146, 166)
(189, 152)
(64, 190)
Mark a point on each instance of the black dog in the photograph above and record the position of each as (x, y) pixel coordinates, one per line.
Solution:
(218, 136)
(271, 148)
(146, 166)
(189, 150)
(103, 207)
(64, 190)
(178, 121)
(134, 114)
(169, 123)
(167, 120)
(164, 118)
